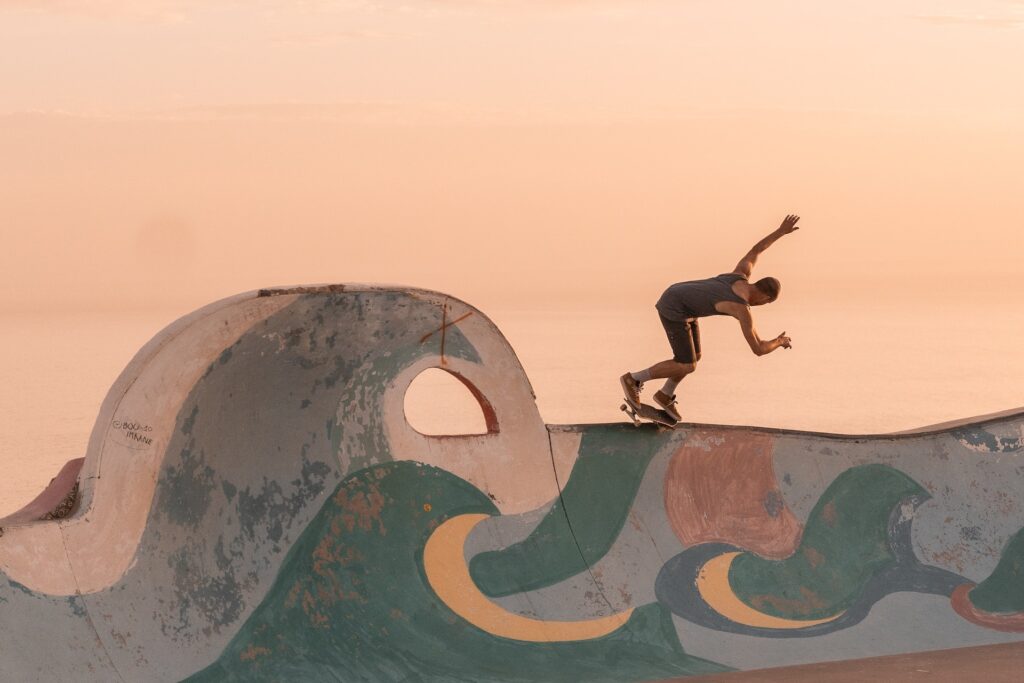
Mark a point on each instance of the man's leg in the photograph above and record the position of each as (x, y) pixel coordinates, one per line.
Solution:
(668, 369)
(685, 340)
(671, 370)
(665, 398)
(680, 337)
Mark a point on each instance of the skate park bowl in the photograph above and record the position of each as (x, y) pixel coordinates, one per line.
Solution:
(253, 504)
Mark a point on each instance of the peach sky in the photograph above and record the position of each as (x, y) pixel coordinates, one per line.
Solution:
(568, 155)
(572, 152)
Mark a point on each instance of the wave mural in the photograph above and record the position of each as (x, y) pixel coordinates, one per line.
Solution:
(254, 505)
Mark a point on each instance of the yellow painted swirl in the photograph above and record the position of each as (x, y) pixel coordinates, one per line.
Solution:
(714, 588)
(448, 574)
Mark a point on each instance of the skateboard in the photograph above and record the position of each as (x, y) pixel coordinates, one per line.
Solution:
(649, 413)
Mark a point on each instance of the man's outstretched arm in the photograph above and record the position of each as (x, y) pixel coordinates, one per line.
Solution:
(758, 345)
(746, 264)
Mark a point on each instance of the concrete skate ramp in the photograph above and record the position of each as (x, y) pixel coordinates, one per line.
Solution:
(254, 505)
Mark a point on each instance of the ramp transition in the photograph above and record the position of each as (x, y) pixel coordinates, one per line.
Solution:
(253, 505)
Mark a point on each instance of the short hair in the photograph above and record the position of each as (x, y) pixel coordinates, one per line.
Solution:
(770, 287)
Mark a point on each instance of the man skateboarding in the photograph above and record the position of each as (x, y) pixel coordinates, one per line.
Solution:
(684, 302)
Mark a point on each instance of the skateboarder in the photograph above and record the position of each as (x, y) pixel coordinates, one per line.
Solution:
(684, 302)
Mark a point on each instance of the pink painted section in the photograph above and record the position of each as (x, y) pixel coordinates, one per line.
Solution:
(720, 487)
(58, 488)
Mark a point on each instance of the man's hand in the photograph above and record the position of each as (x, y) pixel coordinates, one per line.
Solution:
(788, 224)
(759, 346)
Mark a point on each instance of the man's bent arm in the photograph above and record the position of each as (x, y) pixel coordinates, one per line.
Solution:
(757, 345)
(746, 264)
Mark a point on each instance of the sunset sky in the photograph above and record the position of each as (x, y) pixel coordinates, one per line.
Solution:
(569, 151)
(555, 163)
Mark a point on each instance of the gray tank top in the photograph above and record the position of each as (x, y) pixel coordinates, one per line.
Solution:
(697, 298)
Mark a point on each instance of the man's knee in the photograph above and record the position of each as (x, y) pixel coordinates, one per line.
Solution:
(685, 368)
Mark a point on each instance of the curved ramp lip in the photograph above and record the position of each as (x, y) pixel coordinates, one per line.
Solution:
(98, 517)
(47, 501)
(930, 430)
(979, 420)
(59, 557)
(92, 465)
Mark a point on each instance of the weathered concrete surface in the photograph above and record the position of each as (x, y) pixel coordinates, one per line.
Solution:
(254, 505)
(989, 663)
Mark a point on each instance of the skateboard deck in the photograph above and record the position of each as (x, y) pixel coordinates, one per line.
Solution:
(648, 413)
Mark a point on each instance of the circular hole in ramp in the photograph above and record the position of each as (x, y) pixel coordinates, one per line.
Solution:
(441, 403)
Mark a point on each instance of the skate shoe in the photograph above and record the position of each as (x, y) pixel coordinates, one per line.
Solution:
(631, 389)
(668, 404)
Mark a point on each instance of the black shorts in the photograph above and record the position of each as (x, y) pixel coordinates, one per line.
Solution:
(684, 337)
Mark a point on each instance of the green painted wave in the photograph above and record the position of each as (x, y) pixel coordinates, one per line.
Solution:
(602, 486)
(351, 603)
(845, 542)
(1003, 591)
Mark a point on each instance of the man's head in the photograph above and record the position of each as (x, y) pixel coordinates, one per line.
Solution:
(766, 290)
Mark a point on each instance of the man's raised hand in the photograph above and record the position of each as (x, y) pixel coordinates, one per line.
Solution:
(746, 264)
(789, 224)
(784, 341)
